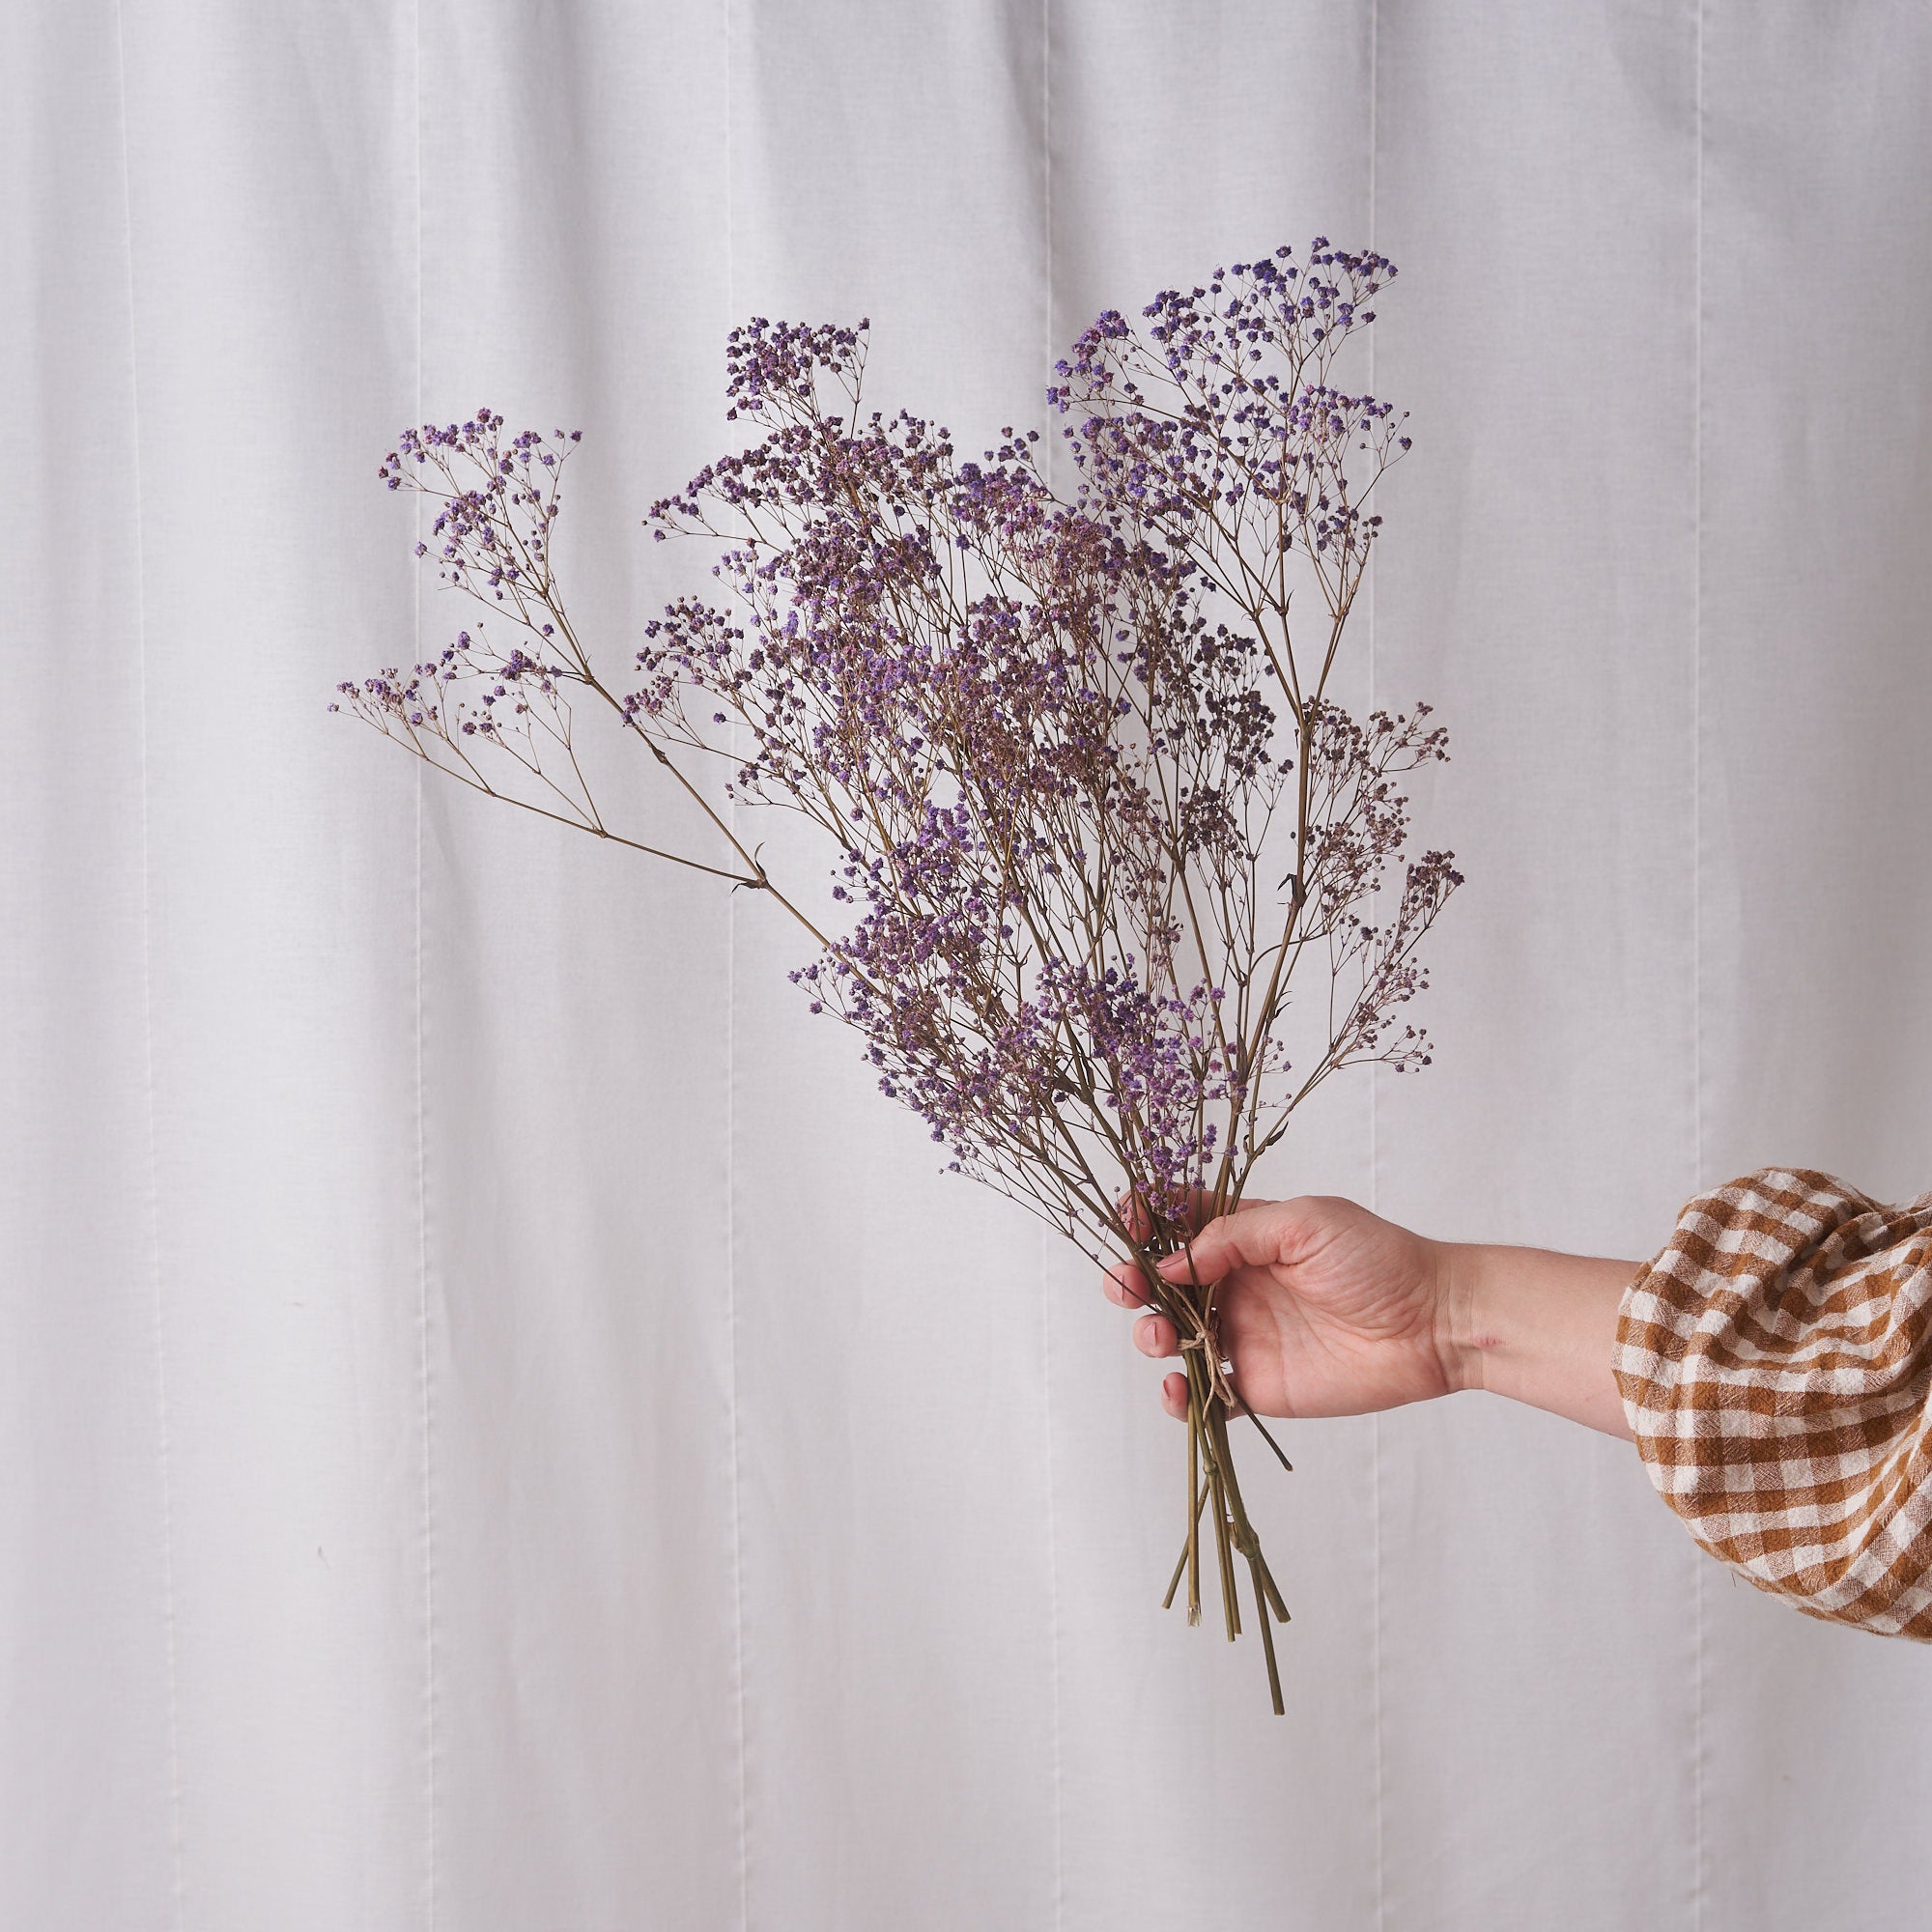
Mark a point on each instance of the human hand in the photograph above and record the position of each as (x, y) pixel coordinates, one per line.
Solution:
(1322, 1307)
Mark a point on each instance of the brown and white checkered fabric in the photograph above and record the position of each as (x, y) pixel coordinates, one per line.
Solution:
(1776, 1364)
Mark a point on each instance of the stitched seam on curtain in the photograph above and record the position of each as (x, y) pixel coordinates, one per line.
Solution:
(429, 1712)
(163, 1436)
(1700, 1664)
(1057, 1748)
(1375, 1162)
(732, 1187)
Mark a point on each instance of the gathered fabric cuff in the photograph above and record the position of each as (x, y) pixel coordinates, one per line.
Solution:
(1776, 1364)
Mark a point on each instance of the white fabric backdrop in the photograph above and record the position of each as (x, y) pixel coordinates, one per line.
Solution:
(499, 1427)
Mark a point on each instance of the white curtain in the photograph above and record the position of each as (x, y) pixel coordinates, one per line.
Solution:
(501, 1427)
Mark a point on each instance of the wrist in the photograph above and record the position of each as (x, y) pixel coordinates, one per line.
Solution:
(1457, 1282)
(1533, 1324)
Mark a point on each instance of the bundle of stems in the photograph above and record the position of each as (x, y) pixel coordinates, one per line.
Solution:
(1081, 784)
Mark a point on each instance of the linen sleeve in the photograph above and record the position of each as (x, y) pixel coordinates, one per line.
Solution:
(1776, 1365)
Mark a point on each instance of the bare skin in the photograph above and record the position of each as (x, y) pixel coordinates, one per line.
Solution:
(1327, 1309)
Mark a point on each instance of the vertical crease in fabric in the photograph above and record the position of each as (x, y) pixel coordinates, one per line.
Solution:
(1699, 1661)
(1374, 1166)
(735, 1428)
(177, 1849)
(425, 1363)
(1057, 1744)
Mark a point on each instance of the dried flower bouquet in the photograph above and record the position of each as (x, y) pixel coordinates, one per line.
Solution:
(1079, 776)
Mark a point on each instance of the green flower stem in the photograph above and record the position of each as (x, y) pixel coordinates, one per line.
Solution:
(1210, 1473)
(1191, 1549)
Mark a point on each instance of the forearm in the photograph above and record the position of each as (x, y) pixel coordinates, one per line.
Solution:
(1534, 1326)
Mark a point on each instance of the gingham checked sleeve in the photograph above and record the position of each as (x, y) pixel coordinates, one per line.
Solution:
(1776, 1364)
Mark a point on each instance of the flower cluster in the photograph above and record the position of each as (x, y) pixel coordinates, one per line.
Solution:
(498, 500)
(1220, 426)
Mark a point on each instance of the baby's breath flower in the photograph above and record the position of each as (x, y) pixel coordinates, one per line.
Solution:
(1059, 749)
